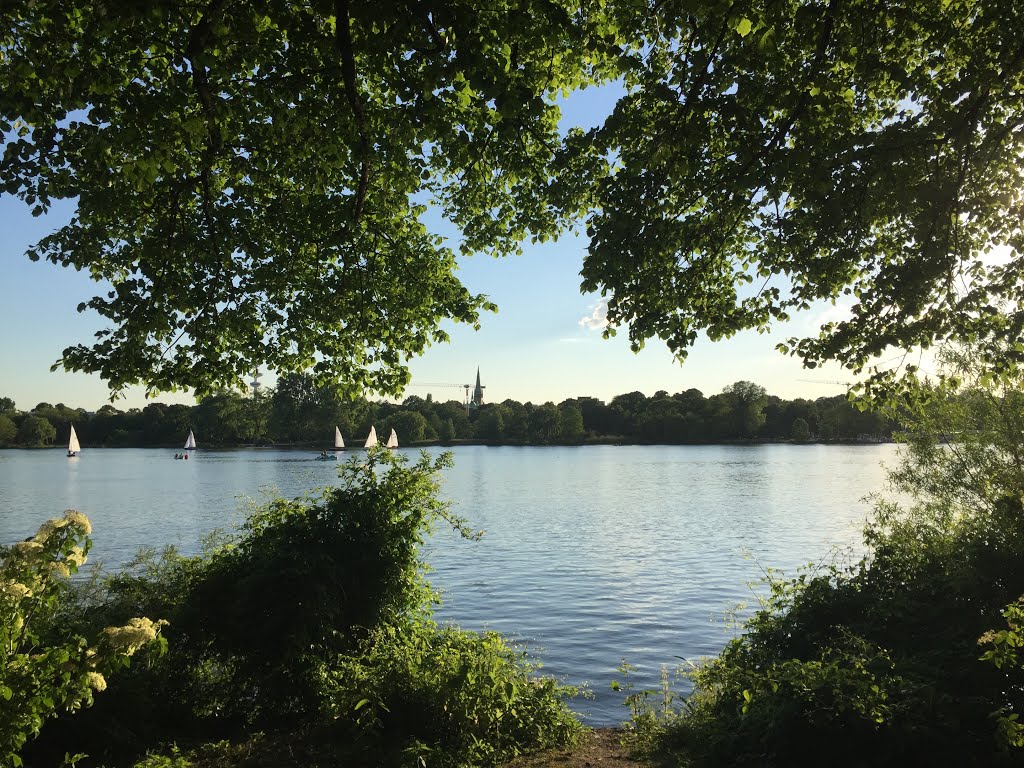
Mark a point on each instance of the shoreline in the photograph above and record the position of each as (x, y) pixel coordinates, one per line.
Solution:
(611, 441)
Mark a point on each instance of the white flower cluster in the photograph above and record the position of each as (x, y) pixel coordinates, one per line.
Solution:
(50, 527)
(72, 517)
(77, 519)
(31, 552)
(133, 635)
(77, 557)
(96, 681)
(26, 548)
(15, 589)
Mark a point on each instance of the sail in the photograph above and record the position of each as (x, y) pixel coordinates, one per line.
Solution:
(371, 439)
(191, 442)
(393, 439)
(338, 442)
(73, 446)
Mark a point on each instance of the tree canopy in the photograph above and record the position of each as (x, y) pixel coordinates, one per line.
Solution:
(251, 181)
(777, 153)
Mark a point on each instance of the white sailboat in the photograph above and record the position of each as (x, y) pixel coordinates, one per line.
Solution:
(190, 444)
(371, 439)
(73, 446)
(392, 439)
(339, 445)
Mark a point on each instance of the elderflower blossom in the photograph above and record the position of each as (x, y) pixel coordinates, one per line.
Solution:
(50, 527)
(133, 635)
(77, 519)
(60, 570)
(15, 589)
(24, 547)
(76, 557)
(96, 681)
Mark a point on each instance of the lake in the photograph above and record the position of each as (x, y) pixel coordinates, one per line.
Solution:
(591, 555)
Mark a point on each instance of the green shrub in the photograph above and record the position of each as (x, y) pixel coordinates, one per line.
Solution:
(43, 673)
(1004, 652)
(651, 712)
(285, 626)
(878, 666)
(879, 663)
(305, 581)
(448, 696)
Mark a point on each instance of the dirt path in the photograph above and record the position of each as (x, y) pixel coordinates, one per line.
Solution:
(600, 749)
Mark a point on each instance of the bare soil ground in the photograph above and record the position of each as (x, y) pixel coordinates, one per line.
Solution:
(600, 749)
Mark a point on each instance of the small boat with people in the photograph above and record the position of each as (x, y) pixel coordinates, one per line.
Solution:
(339, 445)
(392, 440)
(190, 445)
(73, 446)
(371, 439)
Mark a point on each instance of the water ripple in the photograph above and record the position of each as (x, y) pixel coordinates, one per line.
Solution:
(592, 555)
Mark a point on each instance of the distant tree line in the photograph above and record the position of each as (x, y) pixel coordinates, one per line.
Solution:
(298, 412)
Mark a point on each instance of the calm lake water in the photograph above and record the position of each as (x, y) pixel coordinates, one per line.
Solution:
(591, 555)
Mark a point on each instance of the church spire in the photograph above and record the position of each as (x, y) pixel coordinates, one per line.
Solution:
(478, 391)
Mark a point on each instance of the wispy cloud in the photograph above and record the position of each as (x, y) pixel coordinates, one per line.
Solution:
(836, 314)
(598, 317)
(832, 313)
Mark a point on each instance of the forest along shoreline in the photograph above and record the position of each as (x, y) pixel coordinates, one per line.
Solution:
(299, 414)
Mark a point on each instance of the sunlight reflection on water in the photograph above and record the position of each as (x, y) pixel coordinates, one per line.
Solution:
(591, 555)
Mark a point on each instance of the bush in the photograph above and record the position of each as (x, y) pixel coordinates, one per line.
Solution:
(285, 626)
(43, 674)
(879, 663)
(447, 696)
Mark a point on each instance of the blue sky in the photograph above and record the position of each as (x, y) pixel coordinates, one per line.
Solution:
(535, 348)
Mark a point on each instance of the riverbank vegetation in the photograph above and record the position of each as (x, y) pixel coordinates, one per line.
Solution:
(45, 673)
(249, 185)
(306, 636)
(301, 413)
(909, 656)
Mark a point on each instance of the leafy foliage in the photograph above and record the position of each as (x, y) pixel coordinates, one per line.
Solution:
(801, 430)
(304, 582)
(879, 663)
(42, 677)
(286, 626)
(771, 154)
(966, 438)
(251, 181)
(8, 430)
(1004, 652)
(35, 431)
(296, 411)
(449, 697)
